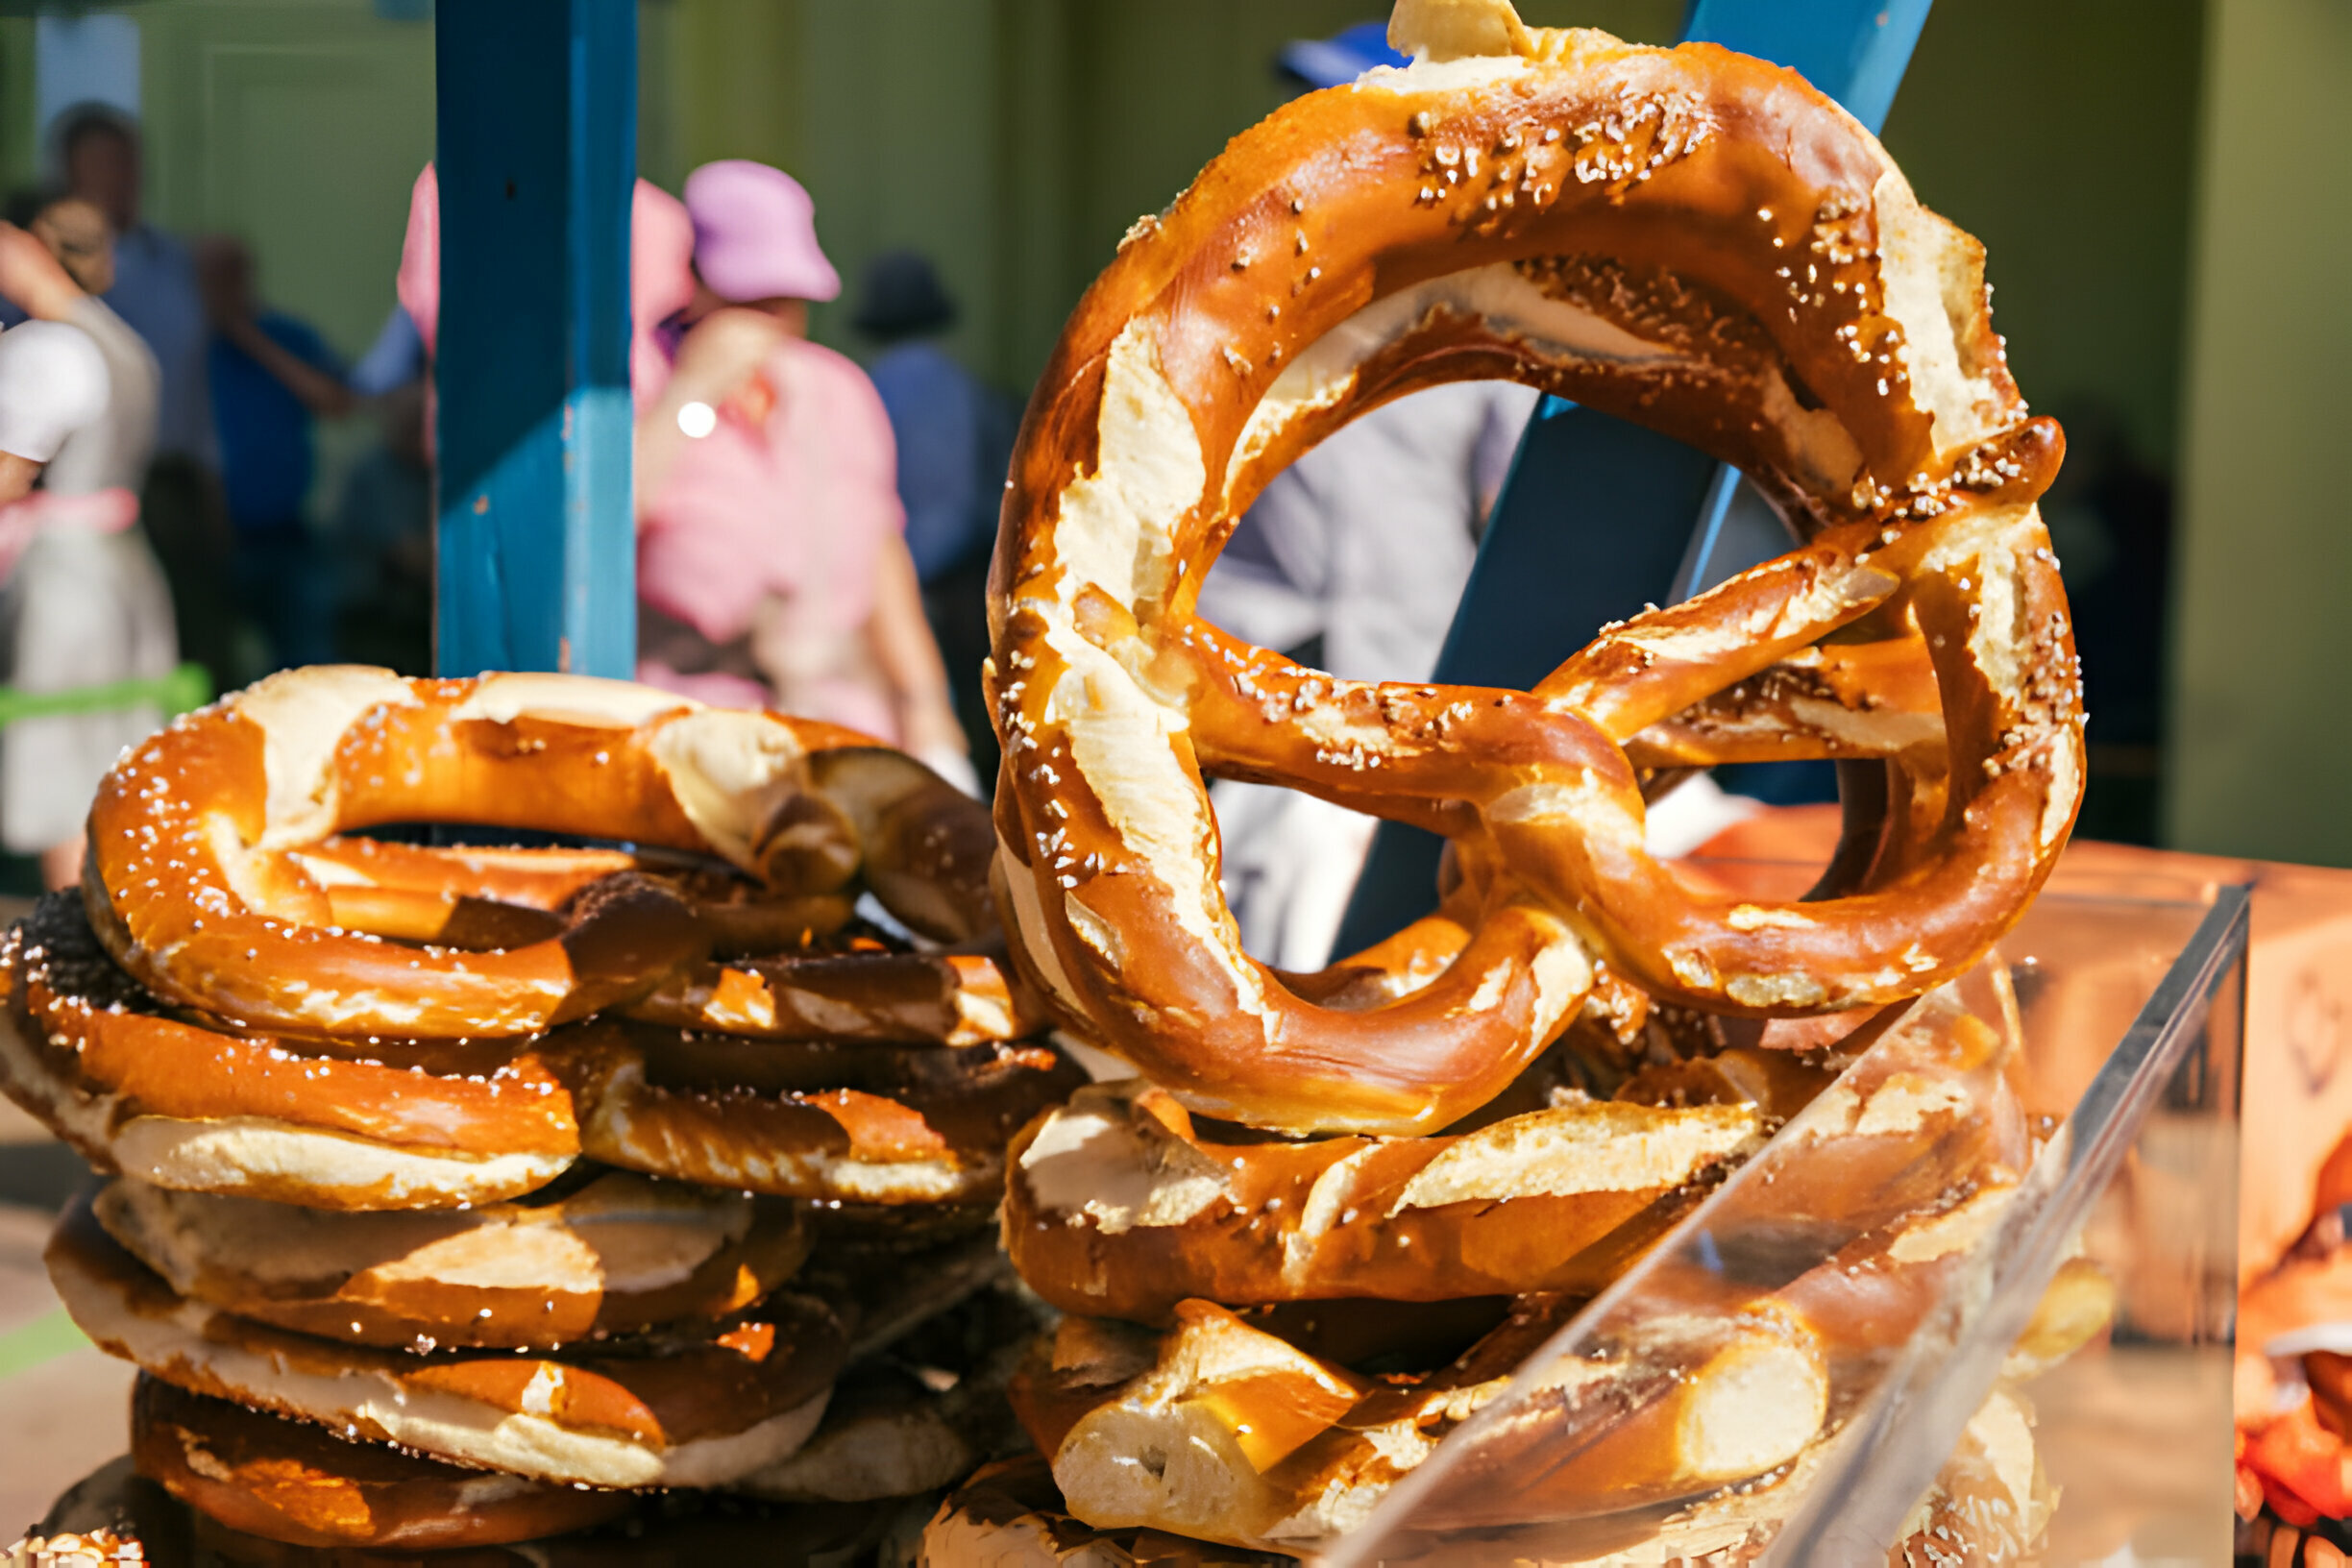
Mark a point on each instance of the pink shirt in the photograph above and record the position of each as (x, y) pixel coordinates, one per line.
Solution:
(795, 505)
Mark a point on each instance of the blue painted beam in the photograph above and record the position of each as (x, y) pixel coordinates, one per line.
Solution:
(1597, 516)
(1853, 50)
(536, 541)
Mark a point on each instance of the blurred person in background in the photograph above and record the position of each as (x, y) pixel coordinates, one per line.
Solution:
(81, 600)
(1350, 560)
(383, 541)
(772, 566)
(381, 534)
(955, 441)
(96, 152)
(661, 284)
(272, 377)
(396, 360)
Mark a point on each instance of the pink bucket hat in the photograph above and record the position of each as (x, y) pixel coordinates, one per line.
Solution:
(755, 234)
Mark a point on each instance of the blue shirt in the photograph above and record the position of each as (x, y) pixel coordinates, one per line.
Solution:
(393, 360)
(155, 292)
(265, 433)
(938, 417)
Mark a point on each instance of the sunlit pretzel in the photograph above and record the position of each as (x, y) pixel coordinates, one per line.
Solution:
(1116, 1206)
(110, 1069)
(1690, 238)
(202, 876)
(690, 1407)
(395, 1124)
(779, 977)
(1268, 1445)
(617, 1256)
(292, 1481)
(495, 897)
(834, 1123)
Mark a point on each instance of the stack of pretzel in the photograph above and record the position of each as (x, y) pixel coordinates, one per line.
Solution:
(1337, 1212)
(459, 1197)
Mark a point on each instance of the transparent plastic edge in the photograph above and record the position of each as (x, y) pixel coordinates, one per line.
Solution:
(1828, 1522)
(1915, 1419)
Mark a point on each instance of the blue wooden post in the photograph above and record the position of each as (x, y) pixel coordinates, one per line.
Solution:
(1597, 516)
(1853, 50)
(537, 158)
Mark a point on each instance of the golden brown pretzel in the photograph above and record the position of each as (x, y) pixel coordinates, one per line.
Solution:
(1011, 1514)
(1689, 238)
(289, 1480)
(891, 1429)
(696, 1408)
(1116, 1206)
(880, 996)
(1270, 1441)
(1268, 1446)
(775, 975)
(835, 1123)
(618, 1254)
(440, 1124)
(88, 1050)
(422, 1498)
(486, 897)
(196, 883)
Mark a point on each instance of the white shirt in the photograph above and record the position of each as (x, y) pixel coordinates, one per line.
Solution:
(1366, 540)
(110, 451)
(53, 384)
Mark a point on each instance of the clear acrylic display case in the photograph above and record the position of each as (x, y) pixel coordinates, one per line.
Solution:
(2123, 1049)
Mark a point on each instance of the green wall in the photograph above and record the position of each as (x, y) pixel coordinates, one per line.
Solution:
(2261, 748)
(19, 156)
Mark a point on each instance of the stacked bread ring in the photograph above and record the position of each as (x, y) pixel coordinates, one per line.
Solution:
(461, 1196)
(1339, 1212)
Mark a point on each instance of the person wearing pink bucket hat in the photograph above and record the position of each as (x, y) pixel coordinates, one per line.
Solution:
(771, 567)
(661, 277)
(756, 234)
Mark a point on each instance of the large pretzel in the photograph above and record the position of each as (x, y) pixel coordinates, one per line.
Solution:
(207, 880)
(1688, 238)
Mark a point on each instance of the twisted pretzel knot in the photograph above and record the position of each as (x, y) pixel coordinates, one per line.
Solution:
(1688, 238)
